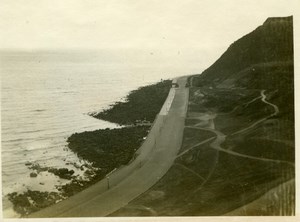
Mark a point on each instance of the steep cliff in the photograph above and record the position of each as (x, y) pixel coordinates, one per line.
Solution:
(268, 49)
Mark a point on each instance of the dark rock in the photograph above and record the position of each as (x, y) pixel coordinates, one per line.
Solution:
(37, 167)
(63, 173)
(33, 174)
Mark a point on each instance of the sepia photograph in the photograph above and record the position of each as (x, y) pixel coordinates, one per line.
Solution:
(148, 109)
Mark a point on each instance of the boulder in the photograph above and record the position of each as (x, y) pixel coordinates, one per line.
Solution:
(33, 174)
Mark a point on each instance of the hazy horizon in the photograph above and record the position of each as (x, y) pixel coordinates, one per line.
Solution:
(185, 30)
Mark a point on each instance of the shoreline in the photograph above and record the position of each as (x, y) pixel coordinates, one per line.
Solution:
(138, 174)
(31, 201)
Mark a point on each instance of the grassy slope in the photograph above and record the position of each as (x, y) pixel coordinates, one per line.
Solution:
(271, 42)
(205, 181)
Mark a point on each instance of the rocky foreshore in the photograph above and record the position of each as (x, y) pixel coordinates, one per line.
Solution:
(34, 200)
(103, 150)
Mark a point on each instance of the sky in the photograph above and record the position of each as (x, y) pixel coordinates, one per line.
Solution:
(197, 30)
(202, 27)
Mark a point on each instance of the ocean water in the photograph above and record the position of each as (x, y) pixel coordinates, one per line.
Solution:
(46, 96)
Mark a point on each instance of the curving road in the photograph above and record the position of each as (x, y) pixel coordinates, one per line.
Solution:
(155, 157)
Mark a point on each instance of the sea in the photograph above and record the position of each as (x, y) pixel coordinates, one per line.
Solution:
(48, 95)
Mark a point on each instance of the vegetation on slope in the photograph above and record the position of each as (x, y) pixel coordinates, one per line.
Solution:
(252, 147)
(271, 42)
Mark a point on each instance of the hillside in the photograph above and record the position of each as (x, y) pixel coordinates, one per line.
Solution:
(238, 150)
(267, 47)
(261, 60)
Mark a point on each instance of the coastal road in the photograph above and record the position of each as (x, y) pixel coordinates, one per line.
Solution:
(155, 158)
